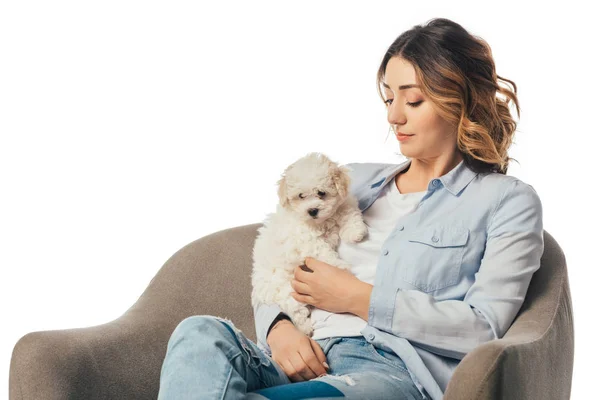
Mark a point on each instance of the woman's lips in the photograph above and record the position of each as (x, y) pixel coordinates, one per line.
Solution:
(401, 136)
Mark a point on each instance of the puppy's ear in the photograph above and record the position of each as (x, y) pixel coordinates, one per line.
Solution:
(282, 192)
(341, 179)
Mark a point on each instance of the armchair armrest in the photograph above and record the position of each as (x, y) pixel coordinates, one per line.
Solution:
(122, 359)
(534, 359)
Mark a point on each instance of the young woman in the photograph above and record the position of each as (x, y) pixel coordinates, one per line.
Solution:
(453, 243)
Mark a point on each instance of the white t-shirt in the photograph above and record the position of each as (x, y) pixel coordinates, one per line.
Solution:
(381, 218)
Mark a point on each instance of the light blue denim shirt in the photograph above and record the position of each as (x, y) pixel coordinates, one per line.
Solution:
(452, 275)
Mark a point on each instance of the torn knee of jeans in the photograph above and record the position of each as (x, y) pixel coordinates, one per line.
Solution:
(342, 378)
(253, 360)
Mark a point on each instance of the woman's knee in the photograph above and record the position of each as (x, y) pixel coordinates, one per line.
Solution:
(198, 325)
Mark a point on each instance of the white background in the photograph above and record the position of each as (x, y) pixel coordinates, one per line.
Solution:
(129, 129)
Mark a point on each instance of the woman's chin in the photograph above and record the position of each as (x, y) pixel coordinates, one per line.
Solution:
(407, 151)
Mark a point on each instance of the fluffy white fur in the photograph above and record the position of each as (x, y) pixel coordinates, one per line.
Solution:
(291, 234)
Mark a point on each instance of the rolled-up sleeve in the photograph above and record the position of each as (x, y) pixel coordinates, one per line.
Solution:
(452, 328)
(264, 314)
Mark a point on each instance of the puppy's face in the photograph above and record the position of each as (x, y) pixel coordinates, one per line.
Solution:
(313, 188)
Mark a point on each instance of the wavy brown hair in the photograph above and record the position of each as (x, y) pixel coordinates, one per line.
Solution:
(457, 73)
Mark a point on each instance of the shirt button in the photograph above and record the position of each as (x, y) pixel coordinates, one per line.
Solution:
(435, 239)
(385, 252)
(370, 337)
(401, 228)
(436, 182)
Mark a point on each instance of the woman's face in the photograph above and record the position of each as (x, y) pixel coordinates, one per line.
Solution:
(412, 113)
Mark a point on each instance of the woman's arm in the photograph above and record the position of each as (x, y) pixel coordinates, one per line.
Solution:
(264, 316)
(281, 318)
(360, 306)
(452, 328)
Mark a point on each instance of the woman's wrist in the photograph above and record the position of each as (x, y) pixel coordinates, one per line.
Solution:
(278, 324)
(280, 317)
(362, 300)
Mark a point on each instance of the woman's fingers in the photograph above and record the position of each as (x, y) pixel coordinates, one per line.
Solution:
(302, 367)
(319, 353)
(290, 371)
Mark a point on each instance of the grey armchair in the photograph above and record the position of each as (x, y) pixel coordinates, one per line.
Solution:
(122, 359)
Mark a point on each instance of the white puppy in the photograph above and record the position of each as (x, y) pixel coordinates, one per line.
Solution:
(315, 211)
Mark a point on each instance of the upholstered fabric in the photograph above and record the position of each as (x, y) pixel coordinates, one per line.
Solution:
(122, 359)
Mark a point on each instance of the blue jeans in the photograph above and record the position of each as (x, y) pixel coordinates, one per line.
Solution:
(209, 358)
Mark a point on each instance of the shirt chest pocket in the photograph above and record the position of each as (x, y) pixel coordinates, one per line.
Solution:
(432, 257)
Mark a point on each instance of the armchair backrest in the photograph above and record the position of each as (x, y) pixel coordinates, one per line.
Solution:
(211, 275)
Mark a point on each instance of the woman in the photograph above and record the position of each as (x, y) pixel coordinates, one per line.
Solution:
(453, 243)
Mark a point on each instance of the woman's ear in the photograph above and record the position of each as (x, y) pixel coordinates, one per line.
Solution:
(282, 192)
(341, 179)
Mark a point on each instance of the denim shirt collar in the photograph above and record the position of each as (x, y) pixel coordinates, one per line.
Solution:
(454, 181)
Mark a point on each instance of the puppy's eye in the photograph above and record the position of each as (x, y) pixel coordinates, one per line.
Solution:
(321, 193)
(301, 196)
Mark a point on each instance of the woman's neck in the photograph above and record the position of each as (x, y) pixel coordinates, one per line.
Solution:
(421, 171)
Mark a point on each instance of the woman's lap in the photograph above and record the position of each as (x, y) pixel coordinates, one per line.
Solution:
(358, 370)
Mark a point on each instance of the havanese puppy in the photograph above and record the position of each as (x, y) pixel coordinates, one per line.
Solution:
(315, 211)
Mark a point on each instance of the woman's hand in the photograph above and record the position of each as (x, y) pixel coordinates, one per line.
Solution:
(326, 287)
(300, 357)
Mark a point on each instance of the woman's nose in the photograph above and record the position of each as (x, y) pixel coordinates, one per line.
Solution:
(395, 115)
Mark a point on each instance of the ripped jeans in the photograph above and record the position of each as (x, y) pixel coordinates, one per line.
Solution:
(209, 358)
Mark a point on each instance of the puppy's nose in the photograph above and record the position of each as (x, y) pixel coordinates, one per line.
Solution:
(313, 211)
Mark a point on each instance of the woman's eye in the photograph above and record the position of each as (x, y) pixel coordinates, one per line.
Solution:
(415, 104)
(321, 193)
